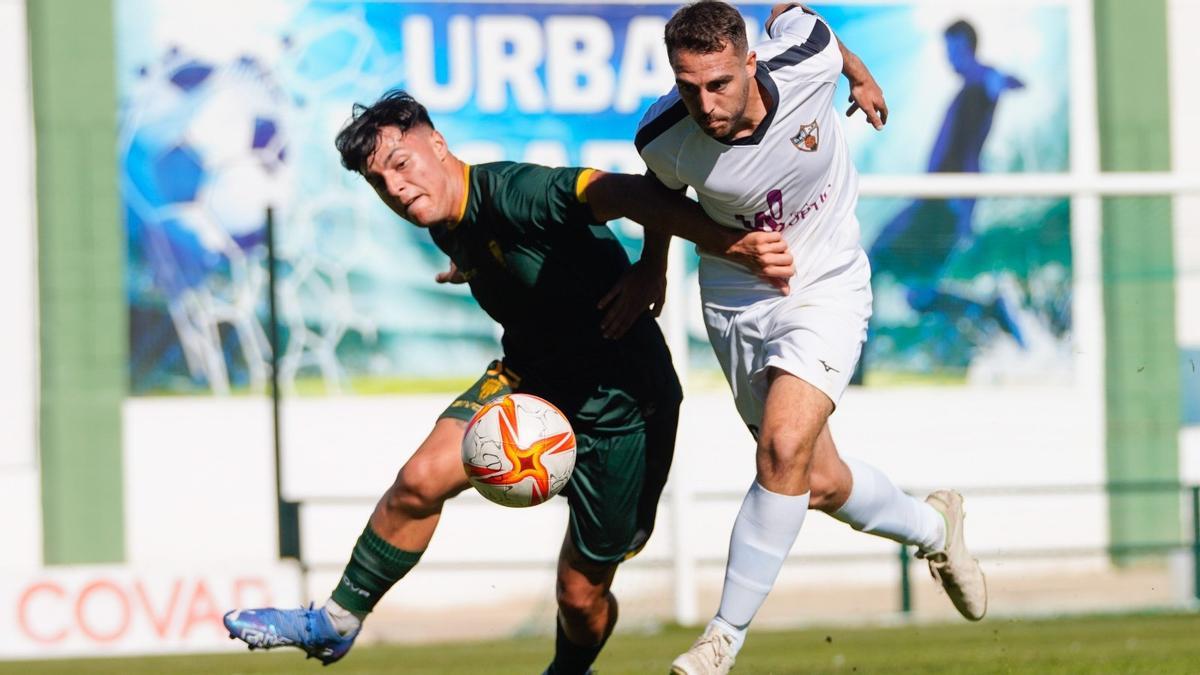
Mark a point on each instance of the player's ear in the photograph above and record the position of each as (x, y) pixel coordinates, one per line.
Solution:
(751, 63)
(440, 149)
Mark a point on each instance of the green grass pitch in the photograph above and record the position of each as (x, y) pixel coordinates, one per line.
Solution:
(1152, 644)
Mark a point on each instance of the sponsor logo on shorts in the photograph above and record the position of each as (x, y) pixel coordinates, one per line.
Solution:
(490, 387)
(828, 368)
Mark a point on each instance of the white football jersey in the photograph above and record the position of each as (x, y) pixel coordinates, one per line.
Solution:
(793, 174)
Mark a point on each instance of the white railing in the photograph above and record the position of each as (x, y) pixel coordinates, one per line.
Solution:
(946, 185)
(1084, 188)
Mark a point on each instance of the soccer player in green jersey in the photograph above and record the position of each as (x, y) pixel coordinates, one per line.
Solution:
(532, 244)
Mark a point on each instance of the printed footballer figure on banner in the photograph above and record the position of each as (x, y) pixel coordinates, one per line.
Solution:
(918, 245)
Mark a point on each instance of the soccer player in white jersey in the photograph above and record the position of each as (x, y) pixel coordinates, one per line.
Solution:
(756, 135)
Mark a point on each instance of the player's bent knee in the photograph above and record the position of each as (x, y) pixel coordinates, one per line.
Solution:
(401, 500)
(418, 490)
(578, 600)
(581, 611)
(784, 450)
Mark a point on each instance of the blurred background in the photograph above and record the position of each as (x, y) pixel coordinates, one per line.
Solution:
(200, 405)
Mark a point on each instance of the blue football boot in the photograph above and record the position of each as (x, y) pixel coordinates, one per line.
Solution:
(306, 629)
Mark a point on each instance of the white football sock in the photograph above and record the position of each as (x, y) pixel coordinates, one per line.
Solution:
(343, 620)
(763, 534)
(738, 634)
(878, 507)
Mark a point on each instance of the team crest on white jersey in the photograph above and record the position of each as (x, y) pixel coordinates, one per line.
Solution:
(807, 138)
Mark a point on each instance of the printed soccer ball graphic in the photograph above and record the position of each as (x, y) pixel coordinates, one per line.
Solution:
(204, 149)
(519, 450)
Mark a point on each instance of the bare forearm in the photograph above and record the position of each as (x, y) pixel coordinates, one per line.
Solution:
(852, 67)
(865, 92)
(665, 213)
(655, 247)
(662, 212)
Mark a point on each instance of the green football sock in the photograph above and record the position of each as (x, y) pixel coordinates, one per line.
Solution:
(374, 567)
(570, 658)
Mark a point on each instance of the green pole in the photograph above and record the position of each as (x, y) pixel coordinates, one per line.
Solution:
(906, 583)
(288, 513)
(1196, 541)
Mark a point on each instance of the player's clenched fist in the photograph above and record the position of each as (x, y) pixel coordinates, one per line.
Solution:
(764, 253)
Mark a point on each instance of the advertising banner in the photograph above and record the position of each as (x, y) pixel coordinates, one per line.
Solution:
(230, 107)
(111, 610)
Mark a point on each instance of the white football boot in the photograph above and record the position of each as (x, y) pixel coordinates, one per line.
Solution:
(712, 654)
(959, 573)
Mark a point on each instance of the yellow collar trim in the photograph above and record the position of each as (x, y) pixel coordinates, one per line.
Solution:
(462, 207)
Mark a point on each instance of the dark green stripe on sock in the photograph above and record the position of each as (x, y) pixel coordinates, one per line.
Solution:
(374, 567)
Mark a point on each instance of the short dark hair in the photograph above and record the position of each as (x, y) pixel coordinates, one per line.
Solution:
(396, 108)
(705, 27)
(966, 30)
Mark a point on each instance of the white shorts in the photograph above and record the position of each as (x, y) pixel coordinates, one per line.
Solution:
(815, 333)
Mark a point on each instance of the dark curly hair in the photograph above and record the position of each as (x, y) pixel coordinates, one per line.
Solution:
(705, 27)
(396, 108)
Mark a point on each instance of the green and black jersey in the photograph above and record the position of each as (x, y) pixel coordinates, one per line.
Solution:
(538, 263)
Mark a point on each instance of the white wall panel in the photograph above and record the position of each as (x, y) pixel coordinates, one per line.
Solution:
(19, 484)
(18, 252)
(1184, 51)
(199, 481)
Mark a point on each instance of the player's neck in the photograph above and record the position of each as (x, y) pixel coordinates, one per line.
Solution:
(973, 71)
(459, 186)
(757, 104)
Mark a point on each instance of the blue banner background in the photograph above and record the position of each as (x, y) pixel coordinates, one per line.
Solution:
(228, 108)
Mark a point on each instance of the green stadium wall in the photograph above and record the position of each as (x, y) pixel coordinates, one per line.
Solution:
(82, 309)
(1142, 356)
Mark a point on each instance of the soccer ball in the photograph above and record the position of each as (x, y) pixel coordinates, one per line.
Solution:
(519, 450)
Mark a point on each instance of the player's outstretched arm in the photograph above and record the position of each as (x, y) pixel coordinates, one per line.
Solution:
(996, 83)
(644, 200)
(865, 92)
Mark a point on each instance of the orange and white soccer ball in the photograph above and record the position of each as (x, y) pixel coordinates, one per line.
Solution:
(519, 450)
